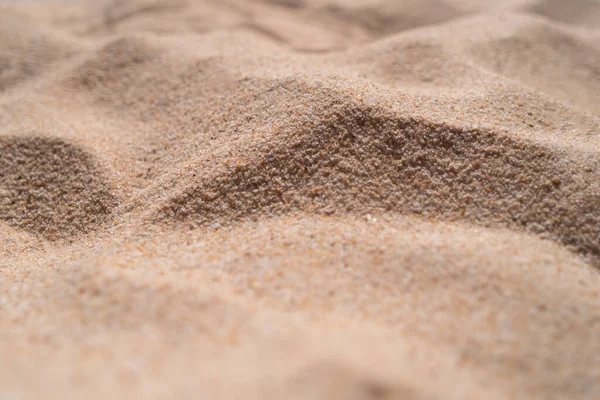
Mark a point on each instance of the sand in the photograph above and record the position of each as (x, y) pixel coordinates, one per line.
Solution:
(300, 199)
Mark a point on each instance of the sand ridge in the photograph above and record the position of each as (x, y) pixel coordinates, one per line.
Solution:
(300, 199)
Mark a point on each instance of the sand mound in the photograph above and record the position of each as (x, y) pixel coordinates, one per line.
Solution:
(300, 199)
(269, 298)
(404, 61)
(26, 51)
(51, 187)
(387, 17)
(493, 48)
(578, 12)
(362, 161)
(538, 54)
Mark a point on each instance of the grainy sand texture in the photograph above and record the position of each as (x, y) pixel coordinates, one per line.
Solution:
(300, 199)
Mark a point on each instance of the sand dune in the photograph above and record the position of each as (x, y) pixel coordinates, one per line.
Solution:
(26, 50)
(50, 187)
(584, 12)
(300, 199)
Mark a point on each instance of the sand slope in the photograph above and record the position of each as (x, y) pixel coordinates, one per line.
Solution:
(300, 199)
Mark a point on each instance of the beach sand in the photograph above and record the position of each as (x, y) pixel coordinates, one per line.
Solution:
(300, 199)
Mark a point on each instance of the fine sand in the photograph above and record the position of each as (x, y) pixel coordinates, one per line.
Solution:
(300, 199)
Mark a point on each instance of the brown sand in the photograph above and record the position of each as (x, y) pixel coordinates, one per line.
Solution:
(323, 199)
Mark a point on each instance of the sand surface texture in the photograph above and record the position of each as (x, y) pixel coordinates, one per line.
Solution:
(300, 199)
